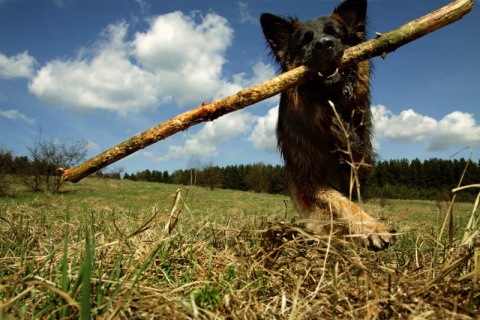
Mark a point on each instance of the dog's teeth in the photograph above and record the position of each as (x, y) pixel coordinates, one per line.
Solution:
(328, 77)
(336, 71)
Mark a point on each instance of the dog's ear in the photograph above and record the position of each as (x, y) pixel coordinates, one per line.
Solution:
(354, 14)
(277, 32)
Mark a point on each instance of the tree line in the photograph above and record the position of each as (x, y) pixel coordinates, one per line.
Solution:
(258, 177)
(395, 179)
(431, 179)
(391, 179)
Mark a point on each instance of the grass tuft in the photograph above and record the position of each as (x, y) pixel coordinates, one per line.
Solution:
(105, 253)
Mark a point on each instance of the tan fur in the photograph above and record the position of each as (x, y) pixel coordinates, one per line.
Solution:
(333, 209)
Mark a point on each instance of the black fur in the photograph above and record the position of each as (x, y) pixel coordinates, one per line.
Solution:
(318, 154)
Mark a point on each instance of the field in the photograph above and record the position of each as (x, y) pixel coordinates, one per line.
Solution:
(133, 250)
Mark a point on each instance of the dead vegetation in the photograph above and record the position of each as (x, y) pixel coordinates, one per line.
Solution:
(61, 261)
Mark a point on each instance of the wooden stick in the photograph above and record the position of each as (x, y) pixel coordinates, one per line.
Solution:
(381, 45)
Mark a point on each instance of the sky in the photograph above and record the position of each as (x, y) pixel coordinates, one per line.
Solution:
(103, 71)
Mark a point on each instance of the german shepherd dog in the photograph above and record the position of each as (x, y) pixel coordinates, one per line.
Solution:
(324, 126)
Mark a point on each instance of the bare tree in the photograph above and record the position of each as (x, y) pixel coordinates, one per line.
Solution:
(211, 176)
(194, 165)
(114, 173)
(48, 156)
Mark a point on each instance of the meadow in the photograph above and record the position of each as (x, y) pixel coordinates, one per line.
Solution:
(117, 249)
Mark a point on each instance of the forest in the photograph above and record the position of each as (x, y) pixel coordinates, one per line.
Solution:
(431, 179)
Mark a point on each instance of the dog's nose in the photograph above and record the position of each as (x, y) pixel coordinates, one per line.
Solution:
(324, 43)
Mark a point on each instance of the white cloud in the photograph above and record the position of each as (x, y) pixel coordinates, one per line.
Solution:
(186, 53)
(456, 128)
(245, 16)
(263, 136)
(62, 3)
(260, 72)
(144, 5)
(108, 80)
(92, 145)
(203, 144)
(179, 58)
(16, 115)
(18, 66)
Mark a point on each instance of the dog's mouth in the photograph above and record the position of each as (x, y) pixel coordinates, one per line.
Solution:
(329, 74)
(329, 77)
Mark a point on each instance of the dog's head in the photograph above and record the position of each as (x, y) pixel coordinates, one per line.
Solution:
(319, 43)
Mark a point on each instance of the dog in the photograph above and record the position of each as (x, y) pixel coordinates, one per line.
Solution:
(324, 126)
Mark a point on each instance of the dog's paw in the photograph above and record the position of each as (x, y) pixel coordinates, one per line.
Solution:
(381, 238)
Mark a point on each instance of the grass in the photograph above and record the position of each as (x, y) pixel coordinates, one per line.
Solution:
(122, 249)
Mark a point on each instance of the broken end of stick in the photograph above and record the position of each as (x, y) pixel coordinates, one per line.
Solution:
(73, 175)
(66, 174)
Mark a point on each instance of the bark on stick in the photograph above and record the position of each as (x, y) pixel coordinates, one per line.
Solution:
(381, 45)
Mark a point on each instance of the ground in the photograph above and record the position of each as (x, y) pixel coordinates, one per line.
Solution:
(122, 249)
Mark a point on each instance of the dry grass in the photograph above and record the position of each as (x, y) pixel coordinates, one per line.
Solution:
(101, 251)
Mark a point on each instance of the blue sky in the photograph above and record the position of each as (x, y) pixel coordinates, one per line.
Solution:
(102, 71)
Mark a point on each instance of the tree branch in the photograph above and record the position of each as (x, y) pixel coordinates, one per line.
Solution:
(381, 45)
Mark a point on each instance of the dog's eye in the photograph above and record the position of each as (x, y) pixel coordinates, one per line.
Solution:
(332, 31)
(307, 37)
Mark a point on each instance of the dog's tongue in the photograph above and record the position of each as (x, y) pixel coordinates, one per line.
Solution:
(328, 73)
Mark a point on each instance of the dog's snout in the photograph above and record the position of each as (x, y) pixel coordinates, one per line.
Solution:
(324, 43)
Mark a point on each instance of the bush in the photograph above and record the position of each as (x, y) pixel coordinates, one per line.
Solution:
(5, 164)
(48, 158)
